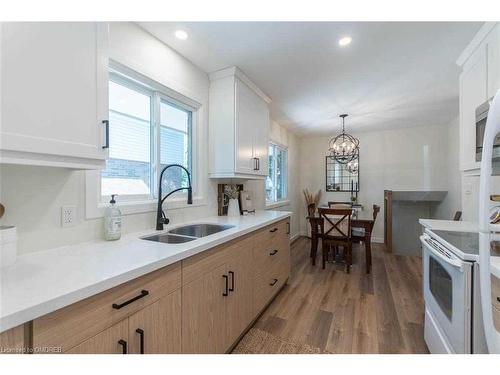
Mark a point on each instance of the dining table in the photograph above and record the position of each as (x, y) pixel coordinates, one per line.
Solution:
(362, 223)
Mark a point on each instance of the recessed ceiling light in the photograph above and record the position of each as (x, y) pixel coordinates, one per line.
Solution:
(181, 34)
(345, 41)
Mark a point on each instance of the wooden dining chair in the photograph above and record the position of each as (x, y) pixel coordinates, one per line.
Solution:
(332, 204)
(358, 235)
(335, 229)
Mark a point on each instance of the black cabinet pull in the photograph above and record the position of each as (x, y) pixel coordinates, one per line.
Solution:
(498, 299)
(255, 167)
(274, 252)
(106, 131)
(274, 282)
(287, 227)
(226, 291)
(118, 306)
(258, 164)
(231, 289)
(141, 339)
(123, 343)
(273, 230)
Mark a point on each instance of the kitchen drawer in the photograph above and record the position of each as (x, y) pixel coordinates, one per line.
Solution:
(76, 323)
(495, 291)
(200, 264)
(267, 254)
(268, 283)
(265, 237)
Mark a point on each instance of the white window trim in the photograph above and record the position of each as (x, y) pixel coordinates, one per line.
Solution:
(95, 207)
(285, 201)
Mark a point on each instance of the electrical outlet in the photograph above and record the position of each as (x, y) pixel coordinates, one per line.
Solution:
(68, 216)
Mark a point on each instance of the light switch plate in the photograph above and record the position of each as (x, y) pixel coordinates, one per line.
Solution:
(68, 216)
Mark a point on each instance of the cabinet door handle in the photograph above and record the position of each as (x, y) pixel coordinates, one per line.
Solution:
(287, 227)
(123, 343)
(255, 167)
(258, 164)
(274, 252)
(226, 291)
(106, 132)
(273, 283)
(273, 230)
(498, 299)
(118, 306)
(141, 339)
(231, 289)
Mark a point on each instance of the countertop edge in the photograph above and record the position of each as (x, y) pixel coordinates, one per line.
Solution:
(23, 316)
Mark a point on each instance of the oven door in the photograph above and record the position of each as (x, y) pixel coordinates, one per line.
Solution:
(447, 294)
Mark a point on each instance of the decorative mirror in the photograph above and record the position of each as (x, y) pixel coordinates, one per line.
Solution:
(340, 177)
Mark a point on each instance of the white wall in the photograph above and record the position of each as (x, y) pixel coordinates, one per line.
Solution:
(453, 201)
(33, 196)
(399, 159)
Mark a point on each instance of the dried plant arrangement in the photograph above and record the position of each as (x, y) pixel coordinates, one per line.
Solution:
(231, 191)
(312, 198)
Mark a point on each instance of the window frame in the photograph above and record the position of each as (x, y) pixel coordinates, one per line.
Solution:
(283, 201)
(95, 203)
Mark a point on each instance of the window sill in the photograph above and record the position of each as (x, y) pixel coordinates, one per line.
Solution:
(270, 205)
(143, 206)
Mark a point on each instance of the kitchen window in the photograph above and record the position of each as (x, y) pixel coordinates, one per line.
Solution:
(277, 179)
(148, 130)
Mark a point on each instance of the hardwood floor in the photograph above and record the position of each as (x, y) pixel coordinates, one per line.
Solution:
(351, 313)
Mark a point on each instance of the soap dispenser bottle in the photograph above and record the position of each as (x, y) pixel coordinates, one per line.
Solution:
(112, 221)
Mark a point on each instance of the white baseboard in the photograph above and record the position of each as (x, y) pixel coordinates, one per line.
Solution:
(295, 236)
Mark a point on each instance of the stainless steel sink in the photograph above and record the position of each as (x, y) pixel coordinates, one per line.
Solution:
(168, 238)
(200, 230)
(187, 233)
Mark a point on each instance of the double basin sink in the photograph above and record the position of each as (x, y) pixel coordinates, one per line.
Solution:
(188, 233)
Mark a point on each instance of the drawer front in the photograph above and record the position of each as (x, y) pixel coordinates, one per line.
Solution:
(268, 283)
(267, 254)
(198, 265)
(76, 323)
(266, 236)
(495, 291)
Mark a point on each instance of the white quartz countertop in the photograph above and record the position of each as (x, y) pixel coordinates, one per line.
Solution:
(449, 225)
(45, 281)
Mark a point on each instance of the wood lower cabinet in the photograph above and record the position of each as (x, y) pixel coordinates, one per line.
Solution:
(239, 304)
(228, 287)
(12, 341)
(202, 304)
(204, 313)
(113, 340)
(156, 329)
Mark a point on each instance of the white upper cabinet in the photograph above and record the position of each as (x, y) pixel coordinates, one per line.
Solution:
(479, 81)
(54, 79)
(239, 126)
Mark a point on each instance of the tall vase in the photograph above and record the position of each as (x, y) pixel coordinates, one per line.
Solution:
(234, 208)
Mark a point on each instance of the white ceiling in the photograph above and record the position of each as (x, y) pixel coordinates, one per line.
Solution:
(393, 74)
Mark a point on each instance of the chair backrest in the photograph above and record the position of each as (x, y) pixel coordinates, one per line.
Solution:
(336, 222)
(339, 204)
(458, 216)
(376, 210)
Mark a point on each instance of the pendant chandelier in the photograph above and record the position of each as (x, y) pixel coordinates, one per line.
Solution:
(344, 148)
